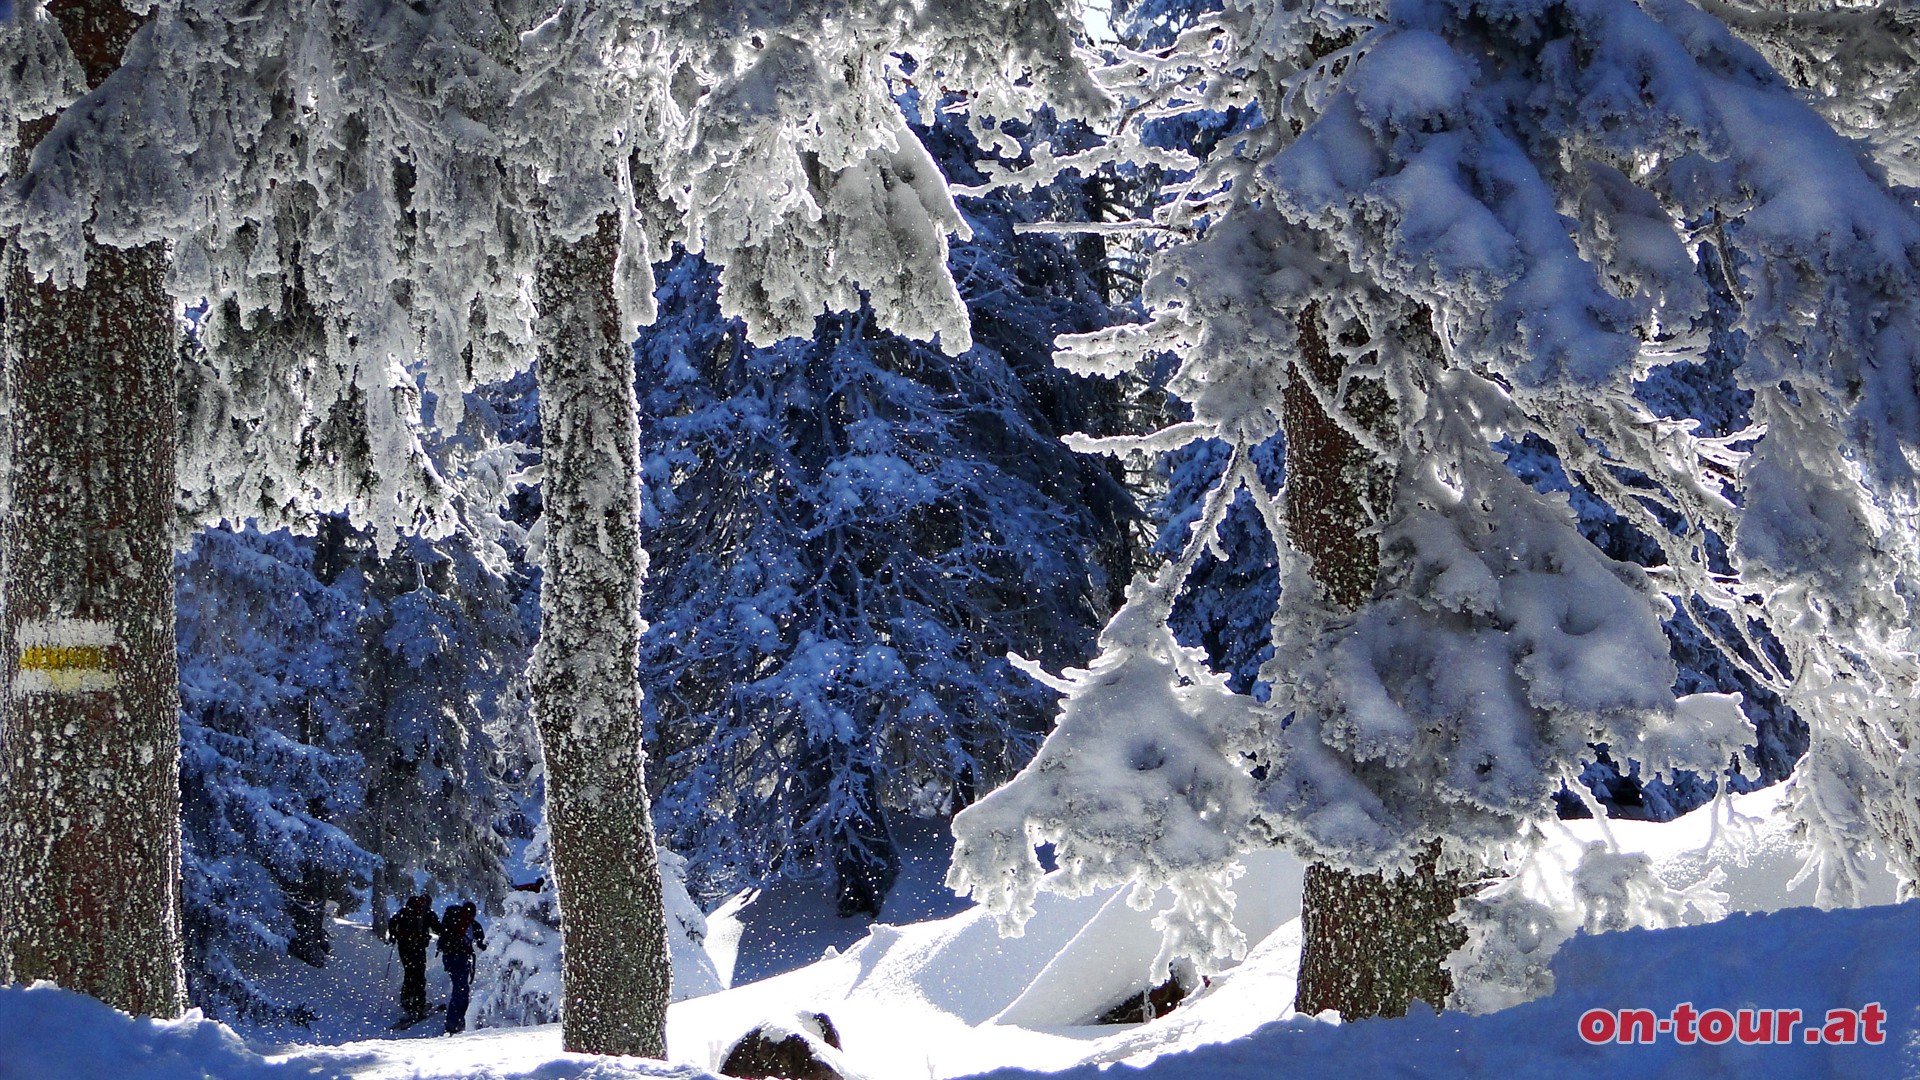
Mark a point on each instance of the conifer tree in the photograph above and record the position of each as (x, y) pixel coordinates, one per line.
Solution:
(847, 538)
(271, 777)
(362, 181)
(1545, 186)
(89, 689)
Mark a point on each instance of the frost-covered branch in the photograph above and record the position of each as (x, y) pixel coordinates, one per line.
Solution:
(1571, 194)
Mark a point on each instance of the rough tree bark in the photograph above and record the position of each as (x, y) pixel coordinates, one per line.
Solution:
(90, 738)
(1372, 944)
(586, 695)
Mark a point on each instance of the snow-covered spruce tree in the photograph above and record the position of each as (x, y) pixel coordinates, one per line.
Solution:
(89, 722)
(350, 188)
(1228, 603)
(269, 687)
(1334, 485)
(520, 986)
(1539, 184)
(346, 720)
(379, 170)
(107, 171)
(445, 649)
(797, 174)
(427, 783)
(847, 536)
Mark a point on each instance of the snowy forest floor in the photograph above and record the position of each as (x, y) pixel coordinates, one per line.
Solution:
(950, 998)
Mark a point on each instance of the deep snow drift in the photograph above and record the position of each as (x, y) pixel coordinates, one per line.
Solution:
(1793, 959)
(950, 998)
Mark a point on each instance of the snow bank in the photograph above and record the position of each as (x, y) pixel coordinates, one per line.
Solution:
(47, 1033)
(1792, 959)
(1751, 839)
(764, 932)
(921, 1000)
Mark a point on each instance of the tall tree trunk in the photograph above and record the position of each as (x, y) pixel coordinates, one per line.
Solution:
(1372, 944)
(390, 891)
(90, 738)
(866, 862)
(307, 910)
(586, 694)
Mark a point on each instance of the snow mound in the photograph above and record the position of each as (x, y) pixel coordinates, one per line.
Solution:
(47, 1032)
(1790, 959)
(1751, 839)
(951, 997)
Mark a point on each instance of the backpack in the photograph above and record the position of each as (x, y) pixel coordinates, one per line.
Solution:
(456, 933)
(409, 929)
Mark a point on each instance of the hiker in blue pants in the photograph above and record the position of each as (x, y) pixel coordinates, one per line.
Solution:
(460, 935)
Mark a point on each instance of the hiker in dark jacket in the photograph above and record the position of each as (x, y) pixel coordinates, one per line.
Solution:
(460, 935)
(410, 929)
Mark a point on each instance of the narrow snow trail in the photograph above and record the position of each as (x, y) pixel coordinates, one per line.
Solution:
(935, 999)
(355, 997)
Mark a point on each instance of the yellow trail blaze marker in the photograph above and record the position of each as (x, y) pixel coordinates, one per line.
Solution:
(65, 656)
